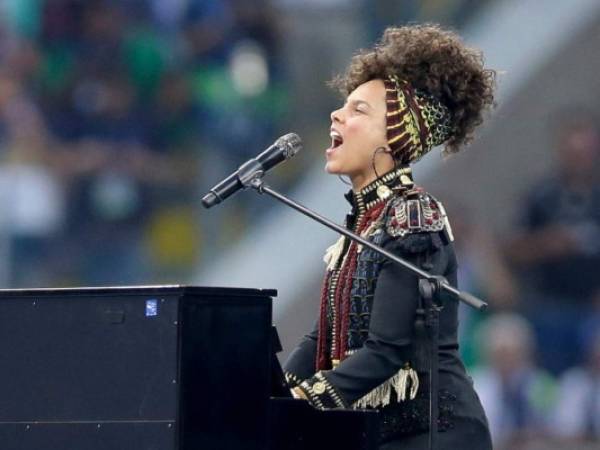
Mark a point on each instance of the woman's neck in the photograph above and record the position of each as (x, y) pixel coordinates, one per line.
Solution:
(360, 182)
(363, 179)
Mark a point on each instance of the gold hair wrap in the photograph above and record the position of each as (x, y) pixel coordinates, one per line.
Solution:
(416, 121)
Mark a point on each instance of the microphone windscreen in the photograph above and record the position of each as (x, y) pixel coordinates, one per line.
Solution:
(291, 143)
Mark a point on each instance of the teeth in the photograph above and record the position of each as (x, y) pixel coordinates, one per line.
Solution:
(336, 138)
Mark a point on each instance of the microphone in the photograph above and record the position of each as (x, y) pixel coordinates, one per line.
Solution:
(283, 149)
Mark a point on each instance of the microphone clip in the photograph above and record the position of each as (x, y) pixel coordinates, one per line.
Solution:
(249, 172)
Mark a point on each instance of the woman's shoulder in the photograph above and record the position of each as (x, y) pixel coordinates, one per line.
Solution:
(415, 221)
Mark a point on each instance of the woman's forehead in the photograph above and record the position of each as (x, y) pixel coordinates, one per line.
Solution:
(371, 93)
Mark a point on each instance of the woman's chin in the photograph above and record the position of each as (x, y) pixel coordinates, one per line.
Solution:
(332, 168)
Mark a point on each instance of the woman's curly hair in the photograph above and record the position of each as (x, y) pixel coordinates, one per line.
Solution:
(433, 60)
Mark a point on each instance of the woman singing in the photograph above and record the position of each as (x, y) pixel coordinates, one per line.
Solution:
(418, 88)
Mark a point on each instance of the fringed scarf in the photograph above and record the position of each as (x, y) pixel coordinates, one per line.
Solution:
(341, 299)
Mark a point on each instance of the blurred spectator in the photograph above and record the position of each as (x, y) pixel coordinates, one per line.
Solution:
(208, 28)
(578, 411)
(516, 394)
(31, 195)
(558, 249)
(483, 272)
(239, 88)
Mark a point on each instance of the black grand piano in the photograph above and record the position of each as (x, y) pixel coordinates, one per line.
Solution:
(154, 368)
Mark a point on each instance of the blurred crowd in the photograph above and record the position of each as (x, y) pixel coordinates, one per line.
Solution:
(115, 113)
(536, 357)
(111, 112)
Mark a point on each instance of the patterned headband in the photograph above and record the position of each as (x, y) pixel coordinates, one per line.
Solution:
(416, 121)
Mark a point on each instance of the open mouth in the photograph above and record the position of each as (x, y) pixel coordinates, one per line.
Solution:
(336, 139)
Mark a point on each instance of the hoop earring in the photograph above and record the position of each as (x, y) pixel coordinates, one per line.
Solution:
(385, 150)
(347, 183)
(377, 150)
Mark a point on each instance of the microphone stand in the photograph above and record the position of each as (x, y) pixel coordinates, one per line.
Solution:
(430, 287)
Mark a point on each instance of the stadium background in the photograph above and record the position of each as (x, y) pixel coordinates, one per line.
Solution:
(116, 116)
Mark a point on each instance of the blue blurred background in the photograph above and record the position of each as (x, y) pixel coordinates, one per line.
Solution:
(116, 116)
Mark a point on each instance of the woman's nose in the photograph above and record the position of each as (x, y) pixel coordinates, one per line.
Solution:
(336, 116)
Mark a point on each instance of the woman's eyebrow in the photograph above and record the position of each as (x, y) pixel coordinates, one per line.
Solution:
(359, 102)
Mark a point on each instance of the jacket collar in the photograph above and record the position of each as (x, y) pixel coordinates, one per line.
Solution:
(381, 189)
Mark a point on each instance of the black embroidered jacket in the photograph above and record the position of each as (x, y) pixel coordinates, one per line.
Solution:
(380, 367)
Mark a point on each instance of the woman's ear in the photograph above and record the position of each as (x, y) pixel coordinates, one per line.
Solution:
(385, 150)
